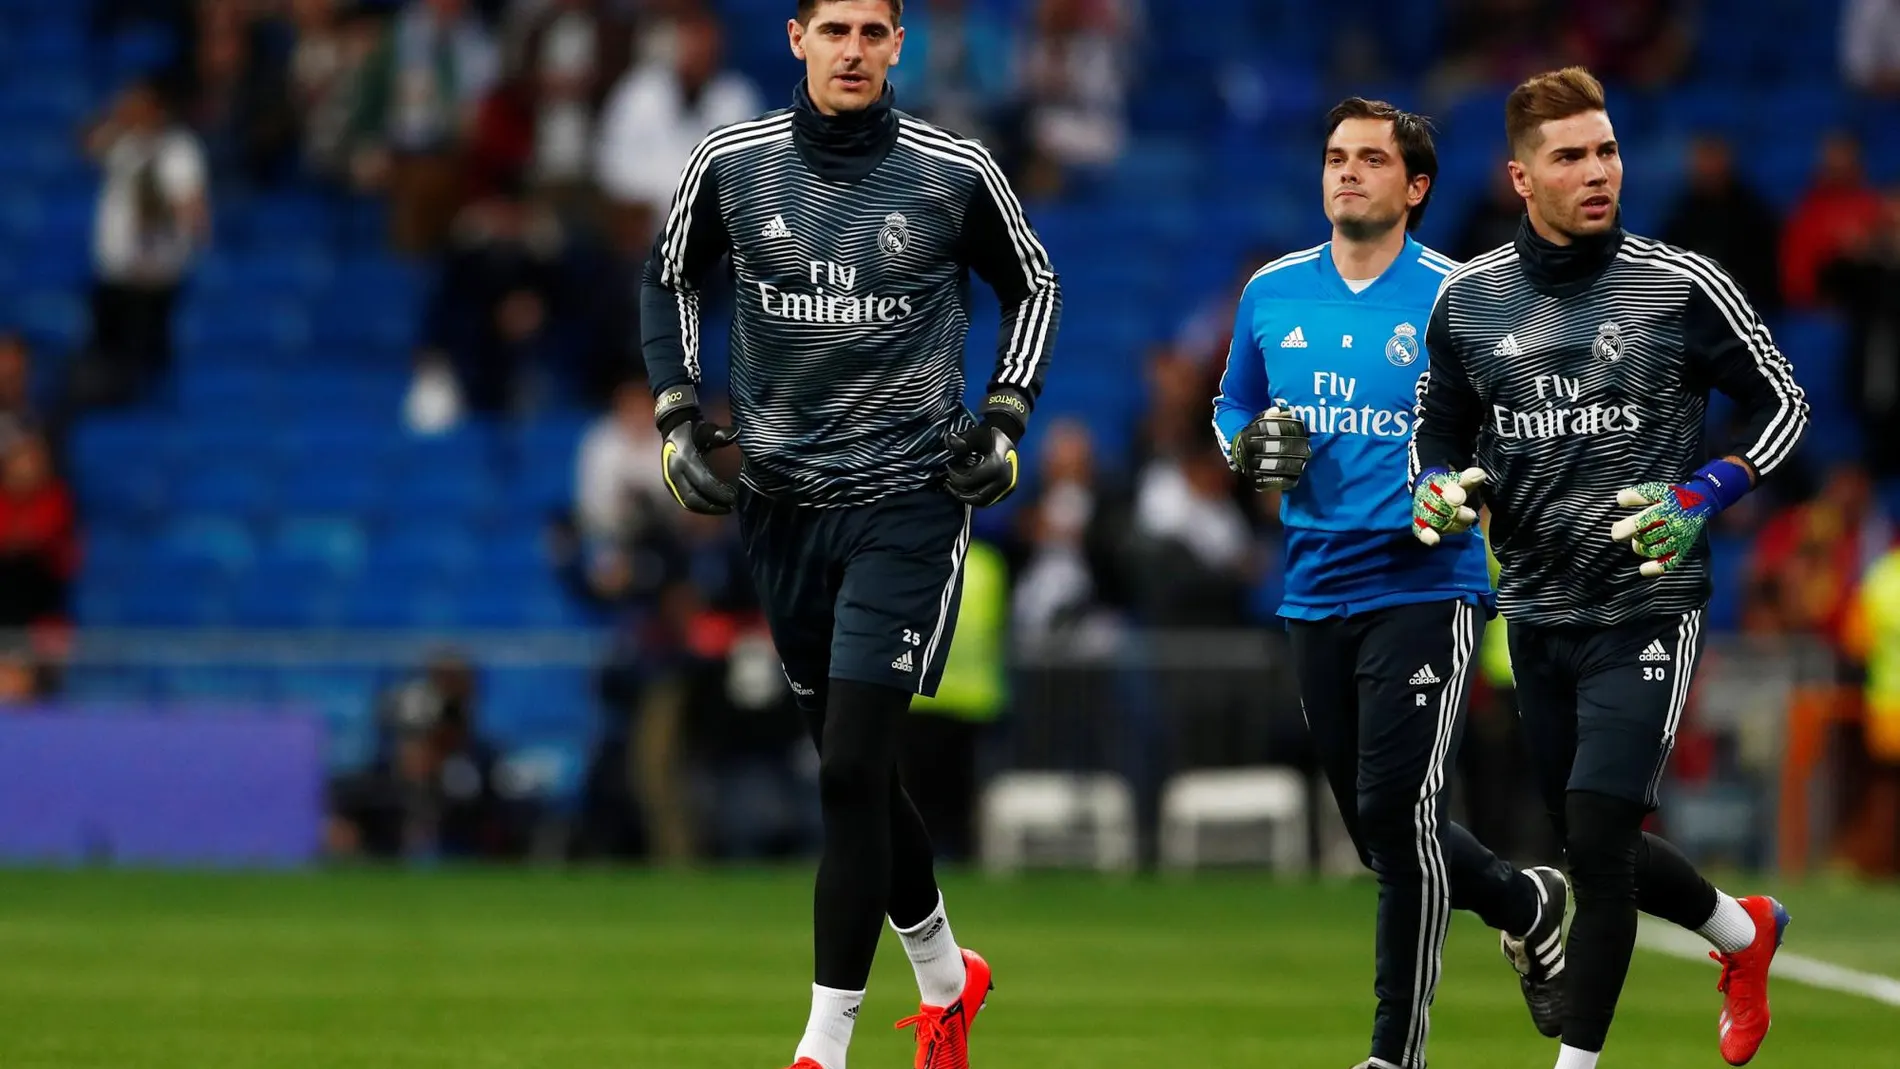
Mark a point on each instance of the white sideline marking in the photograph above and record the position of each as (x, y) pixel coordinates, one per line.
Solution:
(1668, 939)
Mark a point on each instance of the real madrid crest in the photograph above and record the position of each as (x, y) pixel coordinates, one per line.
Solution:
(1402, 347)
(895, 237)
(1609, 343)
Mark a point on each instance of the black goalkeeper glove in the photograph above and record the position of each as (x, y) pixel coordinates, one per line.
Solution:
(983, 458)
(683, 456)
(982, 465)
(1272, 451)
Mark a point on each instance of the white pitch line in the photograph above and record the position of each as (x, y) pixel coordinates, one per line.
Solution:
(1673, 941)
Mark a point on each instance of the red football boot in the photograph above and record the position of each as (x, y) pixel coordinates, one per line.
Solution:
(1745, 1017)
(943, 1032)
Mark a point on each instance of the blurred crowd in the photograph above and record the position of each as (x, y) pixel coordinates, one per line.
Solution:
(526, 149)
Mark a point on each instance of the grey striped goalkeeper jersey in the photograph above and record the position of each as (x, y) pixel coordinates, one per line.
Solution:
(850, 241)
(1568, 373)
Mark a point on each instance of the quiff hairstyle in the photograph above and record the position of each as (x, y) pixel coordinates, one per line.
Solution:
(1549, 97)
(807, 8)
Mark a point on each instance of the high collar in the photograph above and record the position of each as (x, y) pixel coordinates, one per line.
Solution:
(1564, 270)
(844, 147)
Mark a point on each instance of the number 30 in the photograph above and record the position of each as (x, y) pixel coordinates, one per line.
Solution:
(1655, 673)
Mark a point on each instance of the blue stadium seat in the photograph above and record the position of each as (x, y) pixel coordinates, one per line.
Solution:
(204, 603)
(551, 443)
(375, 605)
(279, 219)
(109, 543)
(38, 155)
(326, 445)
(465, 492)
(269, 329)
(50, 320)
(66, 211)
(315, 489)
(99, 602)
(131, 490)
(221, 542)
(230, 487)
(516, 551)
(434, 547)
(540, 489)
(493, 606)
(51, 43)
(377, 334)
(19, 208)
(1812, 106)
(214, 438)
(290, 273)
(349, 394)
(46, 94)
(144, 48)
(284, 594)
(212, 396)
(334, 545)
(369, 280)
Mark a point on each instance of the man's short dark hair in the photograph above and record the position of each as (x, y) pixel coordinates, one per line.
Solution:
(806, 8)
(1548, 97)
(1413, 133)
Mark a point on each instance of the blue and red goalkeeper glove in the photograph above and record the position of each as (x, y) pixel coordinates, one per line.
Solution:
(1674, 515)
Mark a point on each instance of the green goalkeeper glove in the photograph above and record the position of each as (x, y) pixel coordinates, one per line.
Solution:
(1674, 514)
(1439, 503)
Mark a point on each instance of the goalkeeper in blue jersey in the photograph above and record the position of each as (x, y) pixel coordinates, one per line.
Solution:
(1317, 400)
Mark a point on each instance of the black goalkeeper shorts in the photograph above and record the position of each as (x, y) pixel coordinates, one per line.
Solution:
(1601, 705)
(867, 593)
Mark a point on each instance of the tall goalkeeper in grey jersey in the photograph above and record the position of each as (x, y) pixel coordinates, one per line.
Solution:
(850, 229)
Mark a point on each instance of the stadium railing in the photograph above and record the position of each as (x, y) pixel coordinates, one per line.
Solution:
(1757, 780)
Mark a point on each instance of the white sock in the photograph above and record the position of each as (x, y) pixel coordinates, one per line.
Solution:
(1729, 928)
(1569, 1057)
(828, 1032)
(933, 953)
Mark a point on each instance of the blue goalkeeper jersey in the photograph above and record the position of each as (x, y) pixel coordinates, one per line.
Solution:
(1348, 364)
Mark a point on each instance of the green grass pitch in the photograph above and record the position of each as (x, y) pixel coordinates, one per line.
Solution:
(648, 970)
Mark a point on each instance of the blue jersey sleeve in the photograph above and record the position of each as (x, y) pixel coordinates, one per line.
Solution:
(1244, 390)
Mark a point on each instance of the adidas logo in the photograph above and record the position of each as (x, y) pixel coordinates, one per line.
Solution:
(903, 663)
(1508, 347)
(1425, 677)
(1687, 498)
(1551, 951)
(776, 228)
(1295, 339)
(1654, 651)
